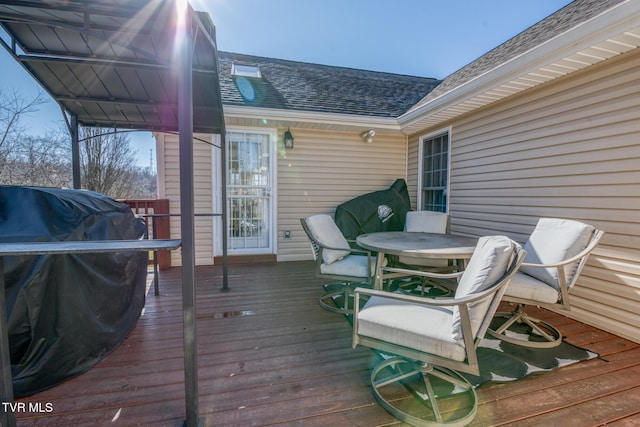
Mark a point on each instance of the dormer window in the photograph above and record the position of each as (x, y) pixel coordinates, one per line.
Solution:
(245, 70)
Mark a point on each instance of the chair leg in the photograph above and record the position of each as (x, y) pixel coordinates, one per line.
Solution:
(423, 287)
(340, 300)
(444, 397)
(536, 334)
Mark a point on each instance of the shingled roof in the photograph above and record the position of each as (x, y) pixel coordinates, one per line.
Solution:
(568, 17)
(304, 87)
(291, 85)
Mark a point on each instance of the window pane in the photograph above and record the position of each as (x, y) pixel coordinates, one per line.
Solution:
(435, 172)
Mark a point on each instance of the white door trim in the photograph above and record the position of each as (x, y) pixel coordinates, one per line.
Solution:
(272, 134)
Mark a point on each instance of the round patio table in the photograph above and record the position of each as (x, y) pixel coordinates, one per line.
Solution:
(415, 244)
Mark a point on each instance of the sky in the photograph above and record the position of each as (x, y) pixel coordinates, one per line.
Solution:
(425, 38)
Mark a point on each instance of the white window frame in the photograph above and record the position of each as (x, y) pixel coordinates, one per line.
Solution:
(421, 140)
(245, 70)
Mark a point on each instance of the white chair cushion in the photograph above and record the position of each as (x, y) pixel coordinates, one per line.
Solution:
(410, 325)
(553, 241)
(352, 265)
(426, 222)
(529, 288)
(325, 231)
(489, 262)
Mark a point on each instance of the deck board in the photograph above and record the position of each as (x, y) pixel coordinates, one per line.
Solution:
(269, 354)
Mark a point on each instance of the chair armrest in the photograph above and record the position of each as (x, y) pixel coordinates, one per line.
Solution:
(590, 247)
(352, 250)
(463, 305)
(557, 264)
(360, 251)
(354, 245)
(423, 273)
(440, 301)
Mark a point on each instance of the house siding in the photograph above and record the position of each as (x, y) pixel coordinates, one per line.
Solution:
(570, 149)
(413, 159)
(326, 169)
(323, 170)
(169, 188)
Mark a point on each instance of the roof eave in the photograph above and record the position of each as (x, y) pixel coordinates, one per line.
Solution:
(272, 117)
(541, 62)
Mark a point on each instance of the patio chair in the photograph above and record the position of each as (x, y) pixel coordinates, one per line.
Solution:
(425, 222)
(337, 261)
(433, 338)
(557, 251)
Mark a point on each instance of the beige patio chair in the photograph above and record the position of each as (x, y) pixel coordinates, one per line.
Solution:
(433, 338)
(425, 222)
(337, 261)
(557, 250)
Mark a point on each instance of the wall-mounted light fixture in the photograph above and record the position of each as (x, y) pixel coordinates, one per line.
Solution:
(288, 139)
(368, 135)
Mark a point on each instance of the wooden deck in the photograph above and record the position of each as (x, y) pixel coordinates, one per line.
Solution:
(269, 355)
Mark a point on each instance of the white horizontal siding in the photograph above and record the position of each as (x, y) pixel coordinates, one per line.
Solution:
(326, 169)
(322, 171)
(413, 150)
(570, 149)
(203, 194)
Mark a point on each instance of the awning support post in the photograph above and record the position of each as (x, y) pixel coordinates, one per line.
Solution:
(223, 216)
(187, 228)
(7, 416)
(75, 151)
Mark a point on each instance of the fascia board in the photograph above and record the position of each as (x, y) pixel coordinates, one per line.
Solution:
(319, 118)
(608, 24)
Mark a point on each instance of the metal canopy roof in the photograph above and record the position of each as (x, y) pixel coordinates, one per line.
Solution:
(127, 64)
(112, 64)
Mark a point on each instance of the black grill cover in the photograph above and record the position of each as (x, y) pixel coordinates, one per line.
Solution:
(383, 210)
(66, 312)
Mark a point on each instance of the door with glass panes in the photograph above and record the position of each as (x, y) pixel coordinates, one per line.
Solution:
(249, 192)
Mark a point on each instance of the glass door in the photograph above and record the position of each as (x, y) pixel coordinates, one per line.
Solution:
(249, 192)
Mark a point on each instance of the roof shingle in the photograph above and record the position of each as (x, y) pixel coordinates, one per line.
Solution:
(564, 19)
(292, 85)
(300, 86)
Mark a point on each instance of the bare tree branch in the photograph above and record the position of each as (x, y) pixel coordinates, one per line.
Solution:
(12, 108)
(107, 162)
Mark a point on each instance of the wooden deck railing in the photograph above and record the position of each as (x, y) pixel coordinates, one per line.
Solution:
(157, 226)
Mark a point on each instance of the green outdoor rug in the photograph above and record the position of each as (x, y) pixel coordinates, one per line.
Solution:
(501, 361)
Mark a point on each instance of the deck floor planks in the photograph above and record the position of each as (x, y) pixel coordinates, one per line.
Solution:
(268, 354)
(555, 398)
(591, 412)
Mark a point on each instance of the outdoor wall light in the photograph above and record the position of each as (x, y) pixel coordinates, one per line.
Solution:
(368, 135)
(288, 139)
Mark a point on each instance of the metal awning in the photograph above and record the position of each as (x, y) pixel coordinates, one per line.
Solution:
(128, 64)
(113, 64)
